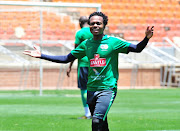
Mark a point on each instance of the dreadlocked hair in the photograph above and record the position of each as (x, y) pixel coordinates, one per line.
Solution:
(105, 18)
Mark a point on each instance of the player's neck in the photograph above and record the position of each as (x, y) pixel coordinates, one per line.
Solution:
(85, 25)
(98, 37)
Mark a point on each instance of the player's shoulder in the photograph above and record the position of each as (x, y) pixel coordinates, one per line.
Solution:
(116, 38)
(86, 30)
(88, 41)
(78, 31)
(85, 41)
(81, 32)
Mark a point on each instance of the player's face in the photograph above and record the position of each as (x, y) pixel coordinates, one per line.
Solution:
(96, 25)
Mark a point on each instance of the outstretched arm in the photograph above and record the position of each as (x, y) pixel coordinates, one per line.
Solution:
(140, 46)
(58, 59)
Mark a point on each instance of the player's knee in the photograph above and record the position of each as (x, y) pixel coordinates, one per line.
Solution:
(95, 120)
(97, 124)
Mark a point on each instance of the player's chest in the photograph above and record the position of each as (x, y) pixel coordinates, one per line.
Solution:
(103, 50)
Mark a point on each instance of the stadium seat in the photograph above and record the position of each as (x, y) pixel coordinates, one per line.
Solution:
(10, 31)
(1, 31)
(141, 27)
(112, 28)
(5, 36)
(48, 31)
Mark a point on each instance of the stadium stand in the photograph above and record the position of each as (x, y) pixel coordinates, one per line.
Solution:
(124, 13)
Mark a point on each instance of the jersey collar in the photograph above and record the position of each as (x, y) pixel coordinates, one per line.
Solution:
(104, 38)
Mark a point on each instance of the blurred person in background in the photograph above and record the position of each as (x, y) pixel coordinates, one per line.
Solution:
(102, 52)
(81, 35)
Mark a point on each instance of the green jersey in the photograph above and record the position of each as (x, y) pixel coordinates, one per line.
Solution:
(81, 35)
(103, 61)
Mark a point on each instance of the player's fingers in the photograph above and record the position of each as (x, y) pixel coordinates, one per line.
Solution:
(147, 28)
(68, 74)
(152, 28)
(35, 47)
(27, 52)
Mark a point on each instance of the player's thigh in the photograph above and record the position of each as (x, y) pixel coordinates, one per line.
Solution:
(91, 101)
(103, 104)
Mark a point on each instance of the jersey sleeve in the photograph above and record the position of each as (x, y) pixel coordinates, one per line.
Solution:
(80, 51)
(78, 38)
(120, 45)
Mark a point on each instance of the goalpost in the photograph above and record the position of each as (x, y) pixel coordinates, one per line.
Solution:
(52, 25)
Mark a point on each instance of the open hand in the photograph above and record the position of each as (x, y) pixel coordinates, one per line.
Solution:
(33, 53)
(149, 32)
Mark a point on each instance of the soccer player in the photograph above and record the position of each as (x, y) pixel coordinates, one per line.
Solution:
(102, 52)
(81, 35)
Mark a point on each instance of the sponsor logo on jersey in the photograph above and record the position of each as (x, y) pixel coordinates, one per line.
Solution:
(97, 62)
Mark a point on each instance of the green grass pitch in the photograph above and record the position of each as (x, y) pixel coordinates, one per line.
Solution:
(58, 110)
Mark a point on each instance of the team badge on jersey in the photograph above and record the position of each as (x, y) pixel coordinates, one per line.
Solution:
(97, 62)
(104, 46)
